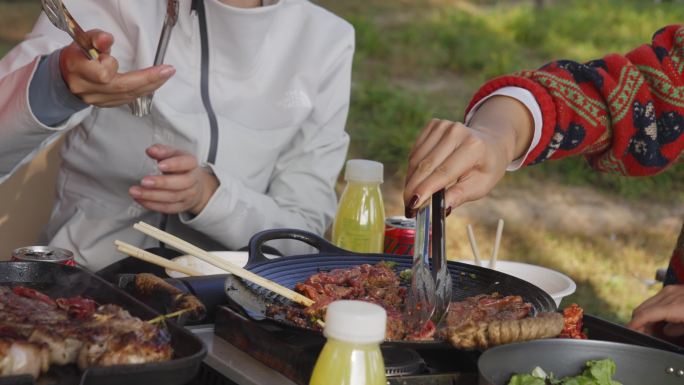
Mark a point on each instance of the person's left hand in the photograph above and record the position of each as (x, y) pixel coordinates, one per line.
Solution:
(668, 306)
(183, 186)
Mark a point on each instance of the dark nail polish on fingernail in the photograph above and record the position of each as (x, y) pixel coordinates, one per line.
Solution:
(413, 201)
(409, 213)
(447, 211)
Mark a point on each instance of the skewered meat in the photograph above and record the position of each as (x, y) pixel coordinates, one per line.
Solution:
(150, 286)
(37, 331)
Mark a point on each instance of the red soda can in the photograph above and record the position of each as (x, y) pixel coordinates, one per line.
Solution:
(43, 254)
(400, 234)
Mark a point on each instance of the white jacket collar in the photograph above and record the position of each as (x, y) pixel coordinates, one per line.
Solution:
(238, 34)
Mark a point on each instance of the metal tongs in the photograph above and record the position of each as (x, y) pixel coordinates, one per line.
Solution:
(430, 293)
(142, 105)
(61, 18)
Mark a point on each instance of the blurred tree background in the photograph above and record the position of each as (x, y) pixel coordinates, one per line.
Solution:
(417, 59)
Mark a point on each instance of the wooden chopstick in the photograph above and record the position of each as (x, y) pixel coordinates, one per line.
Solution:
(154, 259)
(195, 251)
(473, 245)
(497, 241)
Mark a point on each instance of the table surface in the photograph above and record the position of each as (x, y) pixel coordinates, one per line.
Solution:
(243, 369)
(235, 364)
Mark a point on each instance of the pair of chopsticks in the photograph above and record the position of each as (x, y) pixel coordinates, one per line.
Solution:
(195, 251)
(495, 251)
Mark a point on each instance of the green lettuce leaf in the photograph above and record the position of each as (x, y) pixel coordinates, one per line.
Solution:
(602, 371)
(597, 372)
(526, 379)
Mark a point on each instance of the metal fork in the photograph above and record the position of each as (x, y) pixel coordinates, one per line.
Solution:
(440, 270)
(142, 105)
(421, 296)
(62, 19)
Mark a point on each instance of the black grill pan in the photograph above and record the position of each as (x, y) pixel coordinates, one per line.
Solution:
(64, 281)
(468, 280)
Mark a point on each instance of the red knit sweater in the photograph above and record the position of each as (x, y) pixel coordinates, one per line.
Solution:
(625, 114)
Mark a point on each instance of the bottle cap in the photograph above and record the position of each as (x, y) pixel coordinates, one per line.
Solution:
(363, 170)
(355, 321)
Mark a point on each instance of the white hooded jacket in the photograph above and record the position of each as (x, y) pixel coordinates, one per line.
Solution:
(271, 129)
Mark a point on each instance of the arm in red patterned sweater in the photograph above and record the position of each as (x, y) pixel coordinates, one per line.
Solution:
(625, 114)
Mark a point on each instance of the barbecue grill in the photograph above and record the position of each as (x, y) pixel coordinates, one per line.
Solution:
(65, 281)
(242, 337)
(263, 352)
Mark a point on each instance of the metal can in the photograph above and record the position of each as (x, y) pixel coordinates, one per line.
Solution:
(400, 234)
(44, 254)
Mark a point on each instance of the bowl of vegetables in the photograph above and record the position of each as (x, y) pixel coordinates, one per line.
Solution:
(579, 362)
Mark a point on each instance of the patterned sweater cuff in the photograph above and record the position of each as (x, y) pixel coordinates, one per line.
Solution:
(542, 97)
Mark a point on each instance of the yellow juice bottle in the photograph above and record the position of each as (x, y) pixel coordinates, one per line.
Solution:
(352, 356)
(360, 220)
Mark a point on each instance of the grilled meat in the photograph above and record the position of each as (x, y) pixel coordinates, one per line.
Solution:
(483, 321)
(22, 357)
(150, 286)
(116, 337)
(379, 284)
(485, 308)
(483, 335)
(71, 330)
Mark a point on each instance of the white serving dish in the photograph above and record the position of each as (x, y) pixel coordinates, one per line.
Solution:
(556, 284)
(238, 258)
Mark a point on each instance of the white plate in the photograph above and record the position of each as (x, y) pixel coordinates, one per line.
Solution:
(238, 258)
(557, 284)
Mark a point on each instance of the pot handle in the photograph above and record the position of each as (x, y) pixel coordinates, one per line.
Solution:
(256, 254)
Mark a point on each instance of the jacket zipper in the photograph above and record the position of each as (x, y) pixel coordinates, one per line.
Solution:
(198, 7)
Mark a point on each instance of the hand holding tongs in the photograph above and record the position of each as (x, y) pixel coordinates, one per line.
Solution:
(142, 105)
(62, 19)
(430, 294)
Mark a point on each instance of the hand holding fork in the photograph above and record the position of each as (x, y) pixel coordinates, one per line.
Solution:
(60, 16)
(94, 77)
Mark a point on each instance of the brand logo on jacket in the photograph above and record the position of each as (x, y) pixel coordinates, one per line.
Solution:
(295, 99)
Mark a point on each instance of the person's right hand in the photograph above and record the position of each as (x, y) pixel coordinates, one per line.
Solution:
(466, 160)
(668, 306)
(99, 83)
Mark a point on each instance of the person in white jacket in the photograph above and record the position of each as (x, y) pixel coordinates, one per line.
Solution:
(246, 131)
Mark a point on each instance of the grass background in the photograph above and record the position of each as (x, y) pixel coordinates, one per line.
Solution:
(416, 59)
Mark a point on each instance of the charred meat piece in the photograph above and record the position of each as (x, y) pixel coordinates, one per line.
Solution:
(378, 284)
(151, 286)
(37, 331)
(22, 357)
(62, 345)
(486, 308)
(119, 338)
